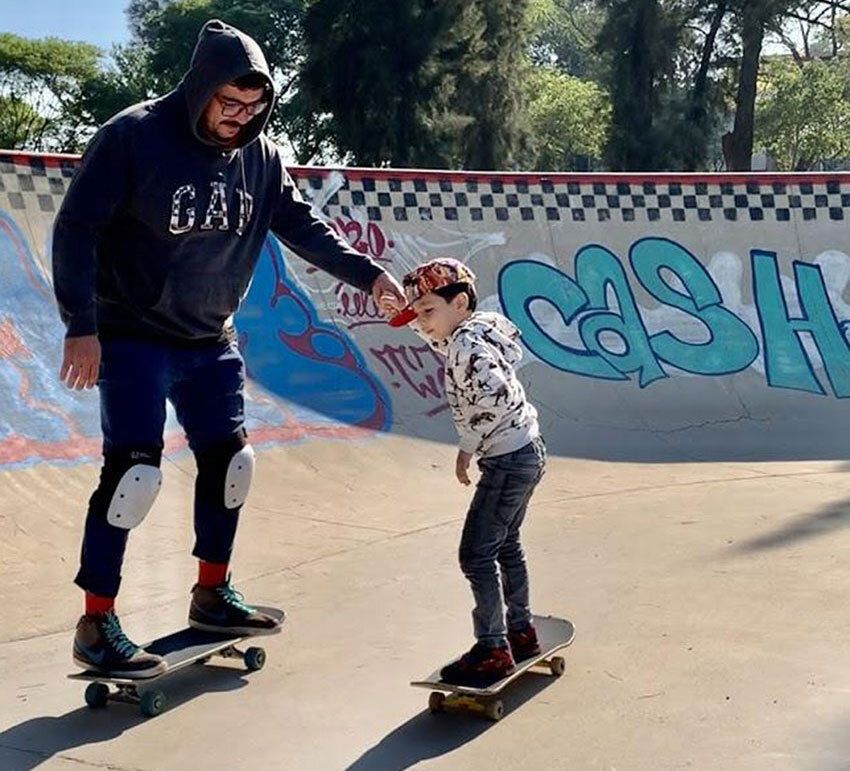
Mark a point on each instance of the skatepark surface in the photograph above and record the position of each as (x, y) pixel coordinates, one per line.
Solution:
(694, 528)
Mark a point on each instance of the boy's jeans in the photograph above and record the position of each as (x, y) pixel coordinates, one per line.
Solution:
(491, 537)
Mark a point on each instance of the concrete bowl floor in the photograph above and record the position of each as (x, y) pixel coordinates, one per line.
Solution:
(710, 601)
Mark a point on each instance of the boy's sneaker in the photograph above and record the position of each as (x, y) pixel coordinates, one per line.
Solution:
(101, 645)
(221, 609)
(480, 667)
(524, 643)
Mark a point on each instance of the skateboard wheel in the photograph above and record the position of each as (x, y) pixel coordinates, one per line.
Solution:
(152, 703)
(97, 694)
(494, 710)
(435, 702)
(557, 666)
(255, 659)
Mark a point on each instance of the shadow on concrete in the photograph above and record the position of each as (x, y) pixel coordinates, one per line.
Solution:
(426, 736)
(833, 517)
(30, 744)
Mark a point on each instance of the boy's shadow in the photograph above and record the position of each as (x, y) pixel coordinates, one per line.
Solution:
(427, 736)
(29, 744)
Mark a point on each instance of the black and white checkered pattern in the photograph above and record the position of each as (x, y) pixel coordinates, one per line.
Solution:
(492, 200)
(39, 183)
(33, 182)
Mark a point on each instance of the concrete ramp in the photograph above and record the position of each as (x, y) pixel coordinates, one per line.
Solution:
(665, 318)
(686, 349)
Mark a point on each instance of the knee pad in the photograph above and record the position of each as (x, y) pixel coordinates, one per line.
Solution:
(130, 482)
(226, 470)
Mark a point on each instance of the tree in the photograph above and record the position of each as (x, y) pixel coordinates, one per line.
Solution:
(491, 87)
(20, 124)
(40, 87)
(564, 36)
(756, 19)
(569, 120)
(640, 40)
(125, 80)
(803, 113)
(384, 77)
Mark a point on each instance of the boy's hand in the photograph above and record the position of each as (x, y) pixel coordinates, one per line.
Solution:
(462, 467)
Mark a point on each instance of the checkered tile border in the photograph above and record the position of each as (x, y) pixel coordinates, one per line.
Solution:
(41, 182)
(475, 201)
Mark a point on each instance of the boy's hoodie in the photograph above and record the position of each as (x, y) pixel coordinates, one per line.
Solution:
(489, 408)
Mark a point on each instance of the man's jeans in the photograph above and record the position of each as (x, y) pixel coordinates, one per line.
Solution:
(491, 538)
(206, 386)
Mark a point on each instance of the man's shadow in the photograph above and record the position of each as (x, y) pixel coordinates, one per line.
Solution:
(427, 736)
(29, 744)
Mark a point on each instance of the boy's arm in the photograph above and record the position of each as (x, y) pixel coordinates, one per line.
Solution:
(484, 392)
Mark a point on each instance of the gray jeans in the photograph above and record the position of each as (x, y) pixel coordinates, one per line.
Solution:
(491, 555)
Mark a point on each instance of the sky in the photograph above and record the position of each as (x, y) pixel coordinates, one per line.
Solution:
(101, 22)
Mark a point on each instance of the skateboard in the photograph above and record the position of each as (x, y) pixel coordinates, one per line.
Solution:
(179, 649)
(552, 633)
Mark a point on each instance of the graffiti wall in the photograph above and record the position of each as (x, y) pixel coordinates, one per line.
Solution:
(664, 318)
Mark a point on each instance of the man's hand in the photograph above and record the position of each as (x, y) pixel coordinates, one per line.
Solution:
(80, 362)
(462, 467)
(388, 295)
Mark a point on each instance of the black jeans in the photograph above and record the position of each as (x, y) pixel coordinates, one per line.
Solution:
(490, 547)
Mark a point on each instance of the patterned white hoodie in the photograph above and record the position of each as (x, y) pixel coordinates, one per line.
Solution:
(488, 403)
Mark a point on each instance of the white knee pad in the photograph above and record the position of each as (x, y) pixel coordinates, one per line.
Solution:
(237, 480)
(134, 496)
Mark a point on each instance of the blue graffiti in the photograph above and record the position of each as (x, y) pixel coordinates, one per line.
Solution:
(295, 355)
(674, 277)
(786, 362)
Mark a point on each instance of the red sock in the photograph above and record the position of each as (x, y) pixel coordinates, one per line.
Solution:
(211, 573)
(97, 605)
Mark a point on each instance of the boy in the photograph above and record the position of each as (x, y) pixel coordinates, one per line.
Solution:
(495, 421)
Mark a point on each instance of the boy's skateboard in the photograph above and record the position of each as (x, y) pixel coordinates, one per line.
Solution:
(552, 633)
(179, 649)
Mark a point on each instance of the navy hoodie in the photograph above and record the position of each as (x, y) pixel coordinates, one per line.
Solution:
(160, 230)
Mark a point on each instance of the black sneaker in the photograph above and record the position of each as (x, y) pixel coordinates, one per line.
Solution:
(524, 643)
(100, 645)
(221, 609)
(479, 667)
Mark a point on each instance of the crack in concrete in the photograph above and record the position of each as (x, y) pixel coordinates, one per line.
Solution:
(709, 424)
(46, 755)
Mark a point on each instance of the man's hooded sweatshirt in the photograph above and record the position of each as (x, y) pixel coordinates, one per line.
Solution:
(161, 229)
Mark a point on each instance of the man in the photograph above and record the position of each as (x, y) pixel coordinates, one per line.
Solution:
(154, 248)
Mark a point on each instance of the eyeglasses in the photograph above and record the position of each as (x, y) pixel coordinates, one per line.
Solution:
(230, 108)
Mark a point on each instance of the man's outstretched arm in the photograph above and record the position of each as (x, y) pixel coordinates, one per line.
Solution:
(295, 224)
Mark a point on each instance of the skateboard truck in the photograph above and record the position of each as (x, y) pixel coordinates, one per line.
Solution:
(180, 649)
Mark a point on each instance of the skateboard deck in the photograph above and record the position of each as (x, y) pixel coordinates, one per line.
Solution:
(179, 649)
(552, 634)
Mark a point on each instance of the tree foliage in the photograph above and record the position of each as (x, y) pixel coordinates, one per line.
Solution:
(569, 120)
(385, 77)
(480, 84)
(40, 86)
(803, 114)
(564, 34)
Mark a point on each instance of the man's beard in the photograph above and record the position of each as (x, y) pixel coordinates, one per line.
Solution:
(221, 141)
